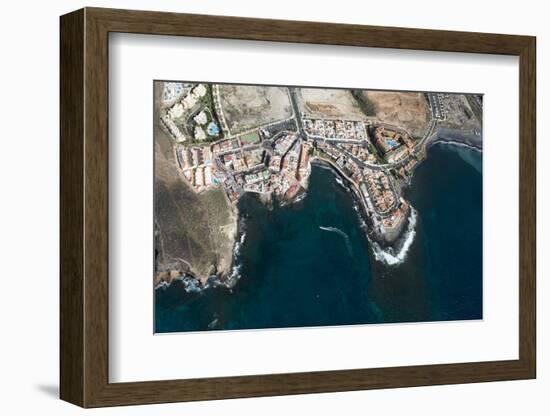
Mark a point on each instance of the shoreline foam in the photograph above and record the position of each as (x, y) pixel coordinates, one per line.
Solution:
(387, 255)
(457, 137)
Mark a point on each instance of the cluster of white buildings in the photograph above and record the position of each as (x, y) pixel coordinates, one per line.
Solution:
(196, 93)
(293, 168)
(375, 185)
(196, 165)
(172, 128)
(335, 129)
(224, 146)
(359, 151)
(182, 107)
(380, 191)
(189, 157)
(292, 158)
(199, 177)
(258, 181)
(275, 163)
(200, 120)
(234, 161)
(239, 160)
(253, 157)
(283, 143)
(172, 91)
(329, 150)
(406, 170)
(281, 176)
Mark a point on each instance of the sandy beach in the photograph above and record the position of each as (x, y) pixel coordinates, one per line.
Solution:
(470, 138)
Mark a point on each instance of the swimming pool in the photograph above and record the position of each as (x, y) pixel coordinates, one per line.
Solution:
(212, 129)
(392, 143)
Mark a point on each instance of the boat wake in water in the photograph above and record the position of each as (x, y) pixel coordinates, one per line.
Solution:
(388, 255)
(340, 233)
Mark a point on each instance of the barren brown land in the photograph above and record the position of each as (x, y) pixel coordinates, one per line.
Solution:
(408, 110)
(330, 103)
(248, 106)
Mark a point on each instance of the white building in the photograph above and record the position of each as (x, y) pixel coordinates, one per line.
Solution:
(189, 101)
(176, 111)
(174, 130)
(201, 118)
(199, 179)
(199, 91)
(207, 175)
(172, 91)
(199, 133)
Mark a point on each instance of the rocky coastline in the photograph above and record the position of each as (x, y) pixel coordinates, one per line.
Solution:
(389, 242)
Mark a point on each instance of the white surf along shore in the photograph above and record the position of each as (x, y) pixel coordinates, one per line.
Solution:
(394, 257)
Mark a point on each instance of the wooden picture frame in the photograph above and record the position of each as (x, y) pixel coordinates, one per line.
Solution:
(84, 207)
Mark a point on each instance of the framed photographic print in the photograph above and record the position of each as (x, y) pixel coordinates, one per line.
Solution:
(256, 207)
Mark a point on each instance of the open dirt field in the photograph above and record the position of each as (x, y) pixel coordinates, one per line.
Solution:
(329, 103)
(408, 110)
(460, 114)
(248, 106)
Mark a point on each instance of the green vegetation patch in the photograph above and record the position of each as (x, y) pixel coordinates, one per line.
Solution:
(376, 153)
(250, 138)
(320, 153)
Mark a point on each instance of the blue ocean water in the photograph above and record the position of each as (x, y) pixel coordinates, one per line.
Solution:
(310, 263)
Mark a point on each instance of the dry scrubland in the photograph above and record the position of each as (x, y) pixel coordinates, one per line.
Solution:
(330, 103)
(408, 110)
(248, 106)
(194, 232)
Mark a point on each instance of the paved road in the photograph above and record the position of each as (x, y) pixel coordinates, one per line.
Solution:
(331, 139)
(295, 108)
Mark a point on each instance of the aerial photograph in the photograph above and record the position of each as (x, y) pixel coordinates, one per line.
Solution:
(294, 206)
